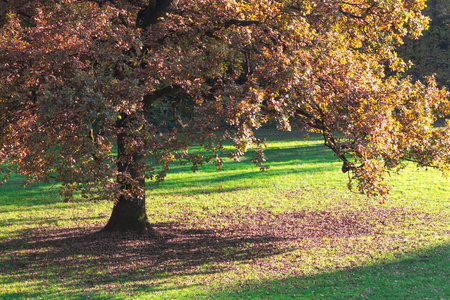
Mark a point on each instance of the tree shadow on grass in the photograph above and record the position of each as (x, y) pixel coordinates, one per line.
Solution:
(208, 180)
(13, 192)
(292, 159)
(74, 263)
(421, 276)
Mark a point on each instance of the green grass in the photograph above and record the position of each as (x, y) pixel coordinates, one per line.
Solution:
(293, 231)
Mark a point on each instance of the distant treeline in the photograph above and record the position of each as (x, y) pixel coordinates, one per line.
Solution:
(430, 54)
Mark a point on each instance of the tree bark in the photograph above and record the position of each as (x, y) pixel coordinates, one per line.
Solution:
(129, 213)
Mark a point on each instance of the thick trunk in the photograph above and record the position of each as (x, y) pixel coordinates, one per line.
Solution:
(129, 212)
(128, 215)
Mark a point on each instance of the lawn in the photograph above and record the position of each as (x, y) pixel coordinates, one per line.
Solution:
(293, 231)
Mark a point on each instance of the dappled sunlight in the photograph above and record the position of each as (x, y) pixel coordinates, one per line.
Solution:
(285, 163)
(138, 129)
(229, 233)
(218, 249)
(418, 275)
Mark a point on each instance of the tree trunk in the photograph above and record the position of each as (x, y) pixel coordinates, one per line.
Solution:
(128, 216)
(129, 213)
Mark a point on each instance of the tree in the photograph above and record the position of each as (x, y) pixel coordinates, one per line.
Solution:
(79, 76)
(430, 54)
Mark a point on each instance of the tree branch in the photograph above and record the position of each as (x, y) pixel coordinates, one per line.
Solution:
(241, 23)
(152, 12)
(361, 17)
(150, 98)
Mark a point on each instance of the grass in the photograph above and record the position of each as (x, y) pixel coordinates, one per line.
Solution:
(293, 231)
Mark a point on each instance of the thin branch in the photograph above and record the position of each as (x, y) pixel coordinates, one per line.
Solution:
(241, 23)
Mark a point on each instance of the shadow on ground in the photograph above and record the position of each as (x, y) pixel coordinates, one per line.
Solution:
(422, 276)
(296, 159)
(86, 262)
(69, 263)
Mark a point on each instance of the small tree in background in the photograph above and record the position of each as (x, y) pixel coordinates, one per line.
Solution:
(78, 77)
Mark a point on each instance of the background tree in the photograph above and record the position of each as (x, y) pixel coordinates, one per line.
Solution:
(431, 53)
(79, 76)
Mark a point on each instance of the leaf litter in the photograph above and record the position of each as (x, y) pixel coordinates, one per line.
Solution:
(247, 242)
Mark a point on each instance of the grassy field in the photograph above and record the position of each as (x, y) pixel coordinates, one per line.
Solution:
(293, 231)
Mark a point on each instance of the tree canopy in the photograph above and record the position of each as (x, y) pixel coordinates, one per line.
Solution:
(78, 77)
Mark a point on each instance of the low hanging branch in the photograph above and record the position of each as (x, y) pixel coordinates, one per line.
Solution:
(238, 63)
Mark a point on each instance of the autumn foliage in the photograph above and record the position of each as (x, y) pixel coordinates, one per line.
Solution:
(77, 77)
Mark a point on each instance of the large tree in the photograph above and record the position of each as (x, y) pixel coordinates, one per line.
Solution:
(78, 77)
